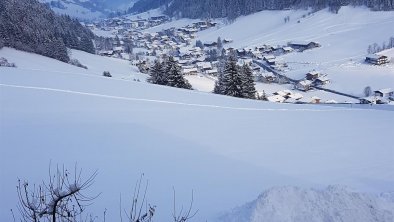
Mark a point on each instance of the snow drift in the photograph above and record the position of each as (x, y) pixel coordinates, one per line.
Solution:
(335, 203)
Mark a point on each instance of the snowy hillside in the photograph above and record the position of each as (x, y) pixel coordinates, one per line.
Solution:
(291, 204)
(76, 8)
(225, 149)
(344, 37)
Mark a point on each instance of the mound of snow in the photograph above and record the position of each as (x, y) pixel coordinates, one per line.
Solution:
(335, 203)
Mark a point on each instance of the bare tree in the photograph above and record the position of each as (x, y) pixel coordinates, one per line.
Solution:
(59, 199)
(140, 210)
(183, 216)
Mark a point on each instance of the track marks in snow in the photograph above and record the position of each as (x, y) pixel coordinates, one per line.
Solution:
(170, 102)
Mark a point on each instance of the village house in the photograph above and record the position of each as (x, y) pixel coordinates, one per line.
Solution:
(384, 93)
(227, 40)
(373, 100)
(269, 77)
(304, 85)
(301, 45)
(190, 71)
(322, 80)
(276, 98)
(212, 72)
(315, 100)
(312, 75)
(377, 59)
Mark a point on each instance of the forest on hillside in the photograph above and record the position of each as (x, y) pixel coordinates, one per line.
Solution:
(234, 8)
(33, 27)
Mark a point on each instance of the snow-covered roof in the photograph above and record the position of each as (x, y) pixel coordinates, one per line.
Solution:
(305, 82)
(276, 98)
(385, 91)
(374, 56)
(190, 70)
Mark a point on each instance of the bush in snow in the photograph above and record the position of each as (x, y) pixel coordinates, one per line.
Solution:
(5, 63)
(107, 74)
(75, 62)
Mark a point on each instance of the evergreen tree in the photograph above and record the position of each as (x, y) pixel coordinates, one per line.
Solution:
(156, 73)
(232, 80)
(219, 44)
(248, 86)
(174, 75)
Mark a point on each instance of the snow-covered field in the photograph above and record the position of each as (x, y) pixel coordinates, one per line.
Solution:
(344, 37)
(227, 150)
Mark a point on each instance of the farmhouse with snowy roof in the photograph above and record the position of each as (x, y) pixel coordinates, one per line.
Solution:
(384, 92)
(303, 45)
(304, 85)
(376, 59)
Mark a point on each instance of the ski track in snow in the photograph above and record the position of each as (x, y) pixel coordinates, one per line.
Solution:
(169, 102)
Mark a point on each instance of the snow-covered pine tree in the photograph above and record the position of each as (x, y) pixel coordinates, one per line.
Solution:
(232, 80)
(219, 44)
(156, 73)
(248, 86)
(174, 75)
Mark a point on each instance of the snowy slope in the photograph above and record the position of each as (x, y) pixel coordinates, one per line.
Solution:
(344, 37)
(292, 204)
(76, 9)
(226, 149)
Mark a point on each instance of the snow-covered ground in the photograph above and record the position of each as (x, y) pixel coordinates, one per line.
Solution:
(335, 204)
(344, 37)
(227, 150)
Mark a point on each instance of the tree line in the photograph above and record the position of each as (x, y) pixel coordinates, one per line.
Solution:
(235, 8)
(33, 27)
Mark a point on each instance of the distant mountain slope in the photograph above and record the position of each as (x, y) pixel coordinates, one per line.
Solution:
(81, 9)
(291, 204)
(146, 5)
(31, 26)
(235, 8)
(88, 9)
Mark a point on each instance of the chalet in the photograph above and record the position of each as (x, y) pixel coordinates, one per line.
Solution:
(192, 71)
(210, 44)
(322, 80)
(269, 57)
(373, 100)
(276, 98)
(241, 52)
(287, 49)
(301, 45)
(315, 99)
(204, 66)
(212, 72)
(271, 62)
(304, 85)
(269, 77)
(106, 53)
(212, 24)
(377, 59)
(160, 17)
(384, 92)
(226, 41)
(200, 23)
(312, 75)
